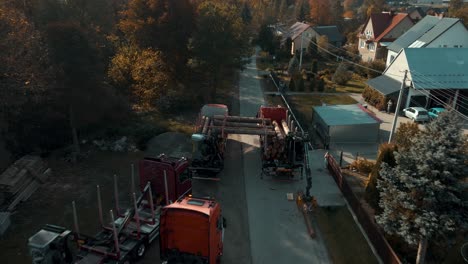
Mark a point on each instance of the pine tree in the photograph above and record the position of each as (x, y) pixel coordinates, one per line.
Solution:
(422, 196)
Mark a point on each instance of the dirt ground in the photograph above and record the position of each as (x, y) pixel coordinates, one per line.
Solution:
(51, 203)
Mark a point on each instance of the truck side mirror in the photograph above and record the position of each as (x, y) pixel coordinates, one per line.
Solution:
(224, 222)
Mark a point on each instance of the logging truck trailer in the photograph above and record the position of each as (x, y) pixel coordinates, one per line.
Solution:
(128, 234)
(282, 144)
(123, 240)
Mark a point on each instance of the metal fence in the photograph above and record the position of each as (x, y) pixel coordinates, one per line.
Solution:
(384, 250)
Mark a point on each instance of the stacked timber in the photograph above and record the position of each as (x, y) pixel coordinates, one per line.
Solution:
(21, 180)
(242, 125)
(274, 146)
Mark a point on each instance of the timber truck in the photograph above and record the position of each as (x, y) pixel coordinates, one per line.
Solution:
(129, 233)
(282, 145)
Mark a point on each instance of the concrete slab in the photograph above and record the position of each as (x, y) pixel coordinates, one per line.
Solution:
(324, 187)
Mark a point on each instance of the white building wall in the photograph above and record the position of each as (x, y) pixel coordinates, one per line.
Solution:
(391, 54)
(457, 35)
(296, 43)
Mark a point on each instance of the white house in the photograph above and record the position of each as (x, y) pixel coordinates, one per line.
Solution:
(431, 32)
(435, 77)
(301, 35)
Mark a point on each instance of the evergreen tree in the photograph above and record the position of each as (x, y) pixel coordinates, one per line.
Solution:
(422, 195)
(385, 155)
(246, 13)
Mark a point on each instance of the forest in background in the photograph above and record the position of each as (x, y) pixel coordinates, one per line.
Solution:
(74, 67)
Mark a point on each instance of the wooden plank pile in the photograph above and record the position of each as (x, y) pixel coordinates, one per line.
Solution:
(21, 180)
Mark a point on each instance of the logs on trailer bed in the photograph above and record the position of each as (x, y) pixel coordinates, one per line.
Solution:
(275, 146)
(218, 122)
(246, 131)
(285, 127)
(279, 130)
(243, 119)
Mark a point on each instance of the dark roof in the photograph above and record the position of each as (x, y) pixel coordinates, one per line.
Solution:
(384, 84)
(414, 33)
(416, 9)
(382, 23)
(331, 32)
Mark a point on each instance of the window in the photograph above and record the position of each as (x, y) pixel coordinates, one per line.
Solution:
(362, 43)
(444, 46)
(196, 202)
(371, 46)
(392, 58)
(185, 175)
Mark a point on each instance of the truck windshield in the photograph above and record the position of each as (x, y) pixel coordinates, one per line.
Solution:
(196, 202)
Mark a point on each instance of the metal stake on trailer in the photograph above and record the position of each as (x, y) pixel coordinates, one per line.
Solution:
(137, 216)
(116, 196)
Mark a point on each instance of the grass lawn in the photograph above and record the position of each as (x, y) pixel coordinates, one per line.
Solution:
(353, 86)
(343, 238)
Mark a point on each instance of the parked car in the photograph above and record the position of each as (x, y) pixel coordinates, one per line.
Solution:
(435, 112)
(417, 114)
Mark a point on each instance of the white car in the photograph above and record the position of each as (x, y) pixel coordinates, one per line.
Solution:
(417, 114)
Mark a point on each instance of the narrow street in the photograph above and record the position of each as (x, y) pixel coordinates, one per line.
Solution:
(278, 233)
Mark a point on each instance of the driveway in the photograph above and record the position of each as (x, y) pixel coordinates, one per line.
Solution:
(278, 233)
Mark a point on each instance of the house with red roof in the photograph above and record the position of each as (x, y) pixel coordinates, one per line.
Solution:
(380, 30)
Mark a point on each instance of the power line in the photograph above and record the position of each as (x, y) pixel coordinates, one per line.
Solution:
(422, 90)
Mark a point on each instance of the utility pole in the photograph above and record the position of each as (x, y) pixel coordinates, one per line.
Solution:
(300, 59)
(397, 109)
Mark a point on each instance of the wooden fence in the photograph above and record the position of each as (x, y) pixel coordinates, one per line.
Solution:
(375, 235)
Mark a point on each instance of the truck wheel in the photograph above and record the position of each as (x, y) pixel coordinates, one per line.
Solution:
(140, 251)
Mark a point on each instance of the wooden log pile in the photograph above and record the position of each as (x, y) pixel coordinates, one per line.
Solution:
(21, 180)
(274, 146)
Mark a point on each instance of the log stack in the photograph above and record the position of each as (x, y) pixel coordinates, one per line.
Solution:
(275, 145)
(21, 180)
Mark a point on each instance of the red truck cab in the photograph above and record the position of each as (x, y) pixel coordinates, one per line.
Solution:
(191, 231)
(166, 173)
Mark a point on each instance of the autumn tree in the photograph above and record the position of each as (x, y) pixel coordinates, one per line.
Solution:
(422, 196)
(219, 41)
(385, 155)
(322, 43)
(454, 6)
(405, 133)
(320, 12)
(162, 25)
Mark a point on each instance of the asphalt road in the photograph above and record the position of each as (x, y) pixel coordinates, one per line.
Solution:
(278, 233)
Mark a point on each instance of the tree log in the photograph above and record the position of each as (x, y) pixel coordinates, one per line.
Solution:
(279, 130)
(218, 122)
(246, 131)
(244, 119)
(206, 125)
(285, 127)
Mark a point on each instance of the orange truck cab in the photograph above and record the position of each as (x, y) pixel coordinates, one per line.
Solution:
(191, 231)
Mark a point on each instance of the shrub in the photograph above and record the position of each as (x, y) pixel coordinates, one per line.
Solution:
(363, 165)
(386, 155)
(342, 75)
(374, 98)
